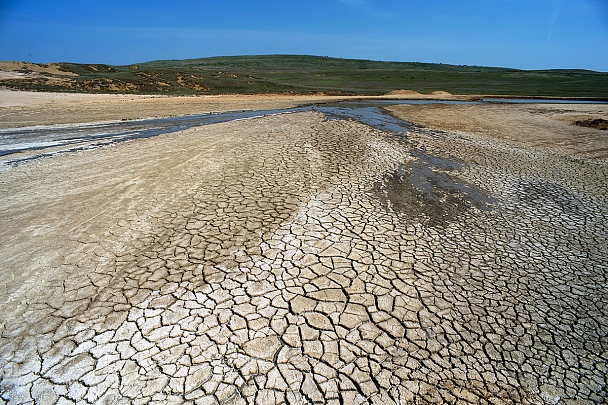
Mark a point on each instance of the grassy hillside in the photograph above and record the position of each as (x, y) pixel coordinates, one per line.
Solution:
(303, 75)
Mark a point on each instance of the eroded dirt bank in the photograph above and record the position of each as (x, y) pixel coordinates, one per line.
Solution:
(292, 259)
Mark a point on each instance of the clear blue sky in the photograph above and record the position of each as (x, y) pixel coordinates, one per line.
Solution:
(526, 34)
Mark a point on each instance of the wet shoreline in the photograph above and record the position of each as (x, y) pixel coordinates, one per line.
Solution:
(29, 143)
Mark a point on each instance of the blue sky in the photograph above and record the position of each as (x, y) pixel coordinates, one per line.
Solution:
(526, 34)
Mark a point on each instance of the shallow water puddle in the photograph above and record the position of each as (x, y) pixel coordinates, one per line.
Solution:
(427, 190)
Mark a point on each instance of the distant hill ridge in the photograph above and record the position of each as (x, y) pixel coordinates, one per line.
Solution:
(298, 74)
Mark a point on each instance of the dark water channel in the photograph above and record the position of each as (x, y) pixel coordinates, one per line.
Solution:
(426, 189)
(21, 144)
(45, 140)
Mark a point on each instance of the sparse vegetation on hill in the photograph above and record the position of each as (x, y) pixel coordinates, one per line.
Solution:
(300, 75)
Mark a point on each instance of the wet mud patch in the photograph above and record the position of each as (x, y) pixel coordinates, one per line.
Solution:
(546, 195)
(598, 123)
(427, 189)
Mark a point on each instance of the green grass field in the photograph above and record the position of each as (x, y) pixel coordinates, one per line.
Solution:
(314, 74)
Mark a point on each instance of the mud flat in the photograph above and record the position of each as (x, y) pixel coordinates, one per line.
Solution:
(295, 259)
(548, 126)
(24, 109)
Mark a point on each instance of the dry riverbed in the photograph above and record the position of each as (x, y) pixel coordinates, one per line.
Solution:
(295, 259)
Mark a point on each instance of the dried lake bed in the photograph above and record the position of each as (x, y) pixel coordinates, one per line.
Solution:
(311, 258)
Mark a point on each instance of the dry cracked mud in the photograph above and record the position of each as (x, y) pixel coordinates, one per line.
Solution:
(293, 259)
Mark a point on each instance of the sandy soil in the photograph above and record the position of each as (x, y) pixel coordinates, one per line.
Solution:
(52, 68)
(21, 109)
(539, 125)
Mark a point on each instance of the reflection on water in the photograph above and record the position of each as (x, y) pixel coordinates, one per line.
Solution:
(373, 116)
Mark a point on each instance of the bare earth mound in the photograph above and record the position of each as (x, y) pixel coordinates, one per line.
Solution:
(51, 68)
(403, 93)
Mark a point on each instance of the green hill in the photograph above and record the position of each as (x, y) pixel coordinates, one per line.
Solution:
(305, 75)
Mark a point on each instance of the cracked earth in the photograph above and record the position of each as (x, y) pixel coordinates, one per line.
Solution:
(294, 259)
